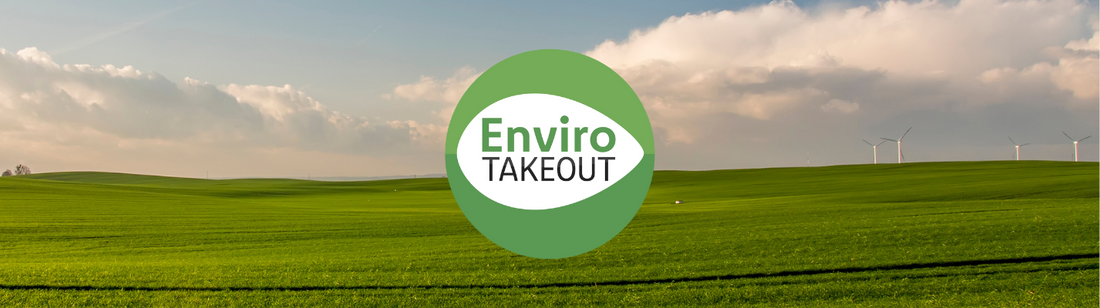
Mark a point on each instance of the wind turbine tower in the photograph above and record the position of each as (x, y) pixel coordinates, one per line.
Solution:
(901, 156)
(1017, 148)
(875, 148)
(1074, 144)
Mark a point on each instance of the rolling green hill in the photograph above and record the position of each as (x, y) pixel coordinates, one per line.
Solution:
(929, 234)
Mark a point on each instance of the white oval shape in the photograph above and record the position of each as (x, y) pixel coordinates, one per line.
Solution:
(527, 189)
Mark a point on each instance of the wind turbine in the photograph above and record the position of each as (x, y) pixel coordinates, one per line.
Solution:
(875, 147)
(1017, 147)
(900, 156)
(1074, 144)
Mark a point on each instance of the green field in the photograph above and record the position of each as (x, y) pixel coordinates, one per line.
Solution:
(921, 234)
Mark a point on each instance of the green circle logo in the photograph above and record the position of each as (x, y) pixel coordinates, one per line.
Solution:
(549, 154)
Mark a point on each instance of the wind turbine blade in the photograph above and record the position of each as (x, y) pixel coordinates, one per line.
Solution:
(880, 143)
(902, 155)
(1025, 144)
(888, 139)
(1082, 139)
(1013, 142)
(906, 133)
(1067, 136)
(868, 143)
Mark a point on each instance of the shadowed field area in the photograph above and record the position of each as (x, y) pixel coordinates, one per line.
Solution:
(930, 234)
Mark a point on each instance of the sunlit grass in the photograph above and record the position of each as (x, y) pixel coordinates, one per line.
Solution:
(941, 234)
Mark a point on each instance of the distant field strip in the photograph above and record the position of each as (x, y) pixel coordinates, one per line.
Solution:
(923, 234)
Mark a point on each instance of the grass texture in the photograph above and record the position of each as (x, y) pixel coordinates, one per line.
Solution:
(1004, 234)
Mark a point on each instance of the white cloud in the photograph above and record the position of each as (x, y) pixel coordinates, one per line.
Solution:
(772, 84)
(922, 37)
(1079, 75)
(277, 102)
(1093, 43)
(428, 88)
(447, 92)
(776, 62)
(38, 95)
(840, 106)
(761, 86)
(424, 133)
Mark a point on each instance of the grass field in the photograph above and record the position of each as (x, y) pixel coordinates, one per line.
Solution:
(922, 234)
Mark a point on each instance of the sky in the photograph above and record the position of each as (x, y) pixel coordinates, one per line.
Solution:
(334, 88)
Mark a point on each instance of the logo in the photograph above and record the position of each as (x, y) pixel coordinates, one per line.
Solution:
(549, 154)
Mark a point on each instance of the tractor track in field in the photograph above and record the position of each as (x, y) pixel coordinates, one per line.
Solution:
(912, 266)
